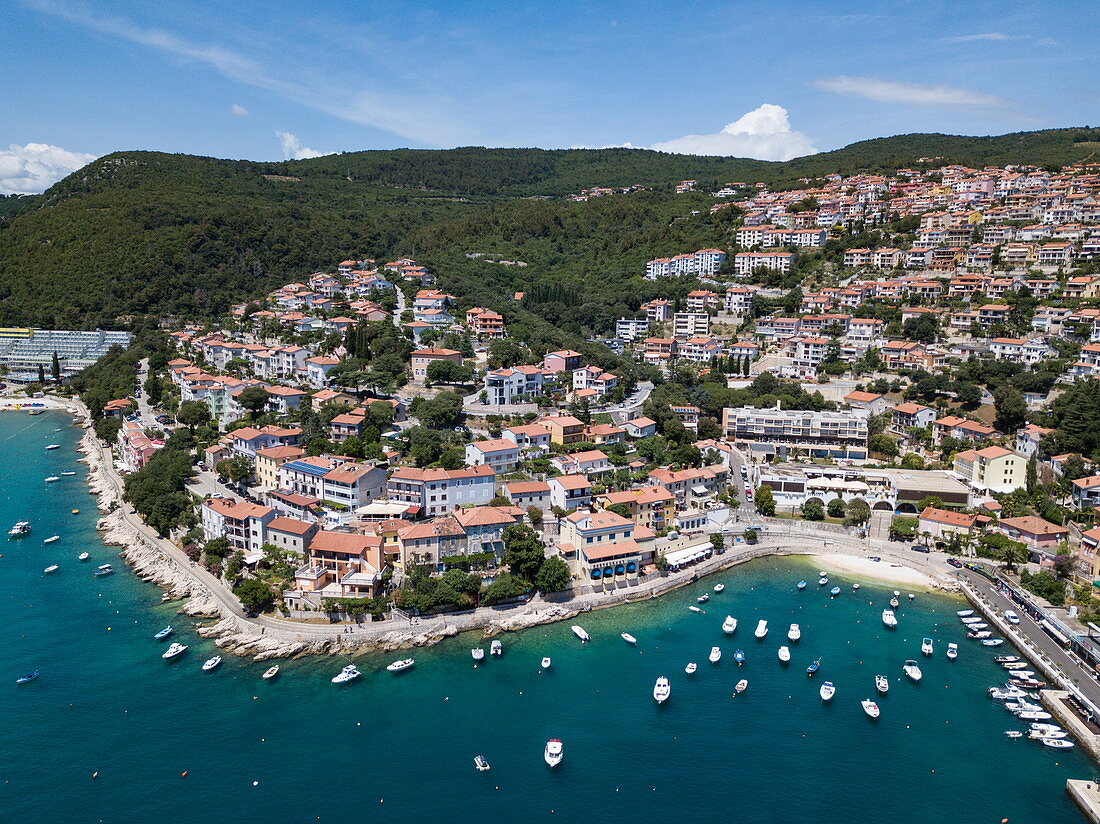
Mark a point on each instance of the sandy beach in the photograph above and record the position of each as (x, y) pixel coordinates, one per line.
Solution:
(17, 403)
(884, 570)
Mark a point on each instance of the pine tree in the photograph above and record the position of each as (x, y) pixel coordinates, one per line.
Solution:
(55, 367)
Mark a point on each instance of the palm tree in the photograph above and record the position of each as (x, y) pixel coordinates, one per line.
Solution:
(1013, 555)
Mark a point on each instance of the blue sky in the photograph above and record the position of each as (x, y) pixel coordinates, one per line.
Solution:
(271, 79)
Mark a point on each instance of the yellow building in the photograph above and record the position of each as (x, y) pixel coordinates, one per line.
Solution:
(650, 506)
(564, 429)
(993, 469)
(269, 460)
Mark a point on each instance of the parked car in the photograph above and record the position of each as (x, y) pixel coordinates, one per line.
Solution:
(955, 562)
(874, 558)
(1012, 617)
(920, 548)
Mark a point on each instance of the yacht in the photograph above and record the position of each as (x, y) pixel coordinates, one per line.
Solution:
(952, 651)
(478, 653)
(739, 656)
(630, 639)
(348, 673)
(814, 667)
(889, 618)
(719, 588)
(20, 529)
(926, 646)
(546, 662)
(52, 539)
(702, 599)
(761, 628)
(553, 753)
(784, 655)
(400, 666)
(164, 633)
(83, 556)
(661, 690)
(211, 663)
(912, 669)
(1011, 617)
(52, 568)
(835, 591)
(691, 667)
(870, 707)
(715, 654)
(794, 633)
(496, 648)
(270, 672)
(480, 763)
(827, 691)
(729, 626)
(882, 684)
(740, 686)
(580, 633)
(104, 569)
(801, 584)
(53, 446)
(175, 649)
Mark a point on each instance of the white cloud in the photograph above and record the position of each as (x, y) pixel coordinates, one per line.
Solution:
(35, 167)
(995, 36)
(239, 111)
(919, 94)
(293, 148)
(764, 133)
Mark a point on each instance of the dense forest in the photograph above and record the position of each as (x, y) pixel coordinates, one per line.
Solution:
(174, 235)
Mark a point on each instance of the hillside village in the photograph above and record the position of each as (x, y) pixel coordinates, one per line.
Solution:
(365, 438)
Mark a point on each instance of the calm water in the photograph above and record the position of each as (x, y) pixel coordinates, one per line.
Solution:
(400, 748)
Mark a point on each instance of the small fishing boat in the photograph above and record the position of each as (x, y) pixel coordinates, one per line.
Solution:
(103, 569)
(715, 655)
(822, 581)
(741, 686)
(691, 667)
(83, 556)
(835, 591)
(1007, 659)
(702, 599)
(855, 587)
(979, 634)
(971, 619)
(814, 667)
(661, 690)
(478, 654)
(75, 511)
(20, 529)
(952, 651)
(965, 613)
(53, 446)
(174, 650)
(897, 593)
(626, 636)
(882, 684)
(761, 628)
(553, 753)
(24, 679)
(729, 626)
(910, 596)
(912, 669)
(801, 584)
(546, 662)
(53, 478)
(1014, 734)
(580, 633)
(889, 618)
(51, 539)
(977, 626)
(1057, 743)
(893, 603)
(827, 691)
(794, 633)
(51, 569)
(784, 655)
(480, 763)
(1015, 665)
(270, 672)
(164, 633)
(719, 588)
(694, 608)
(211, 663)
(1046, 728)
(739, 656)
(926, 646)
(992, 642)
(1026, 683)
(496, 648)
(68, 473)
(348, 673)
(870, 707)
(401, 666)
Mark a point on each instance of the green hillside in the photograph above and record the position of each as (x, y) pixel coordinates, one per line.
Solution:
(176, 235)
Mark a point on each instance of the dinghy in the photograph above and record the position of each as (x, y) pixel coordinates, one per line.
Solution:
(784, 655)
(827, 691)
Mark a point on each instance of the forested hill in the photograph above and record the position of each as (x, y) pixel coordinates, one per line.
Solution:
(143, 232)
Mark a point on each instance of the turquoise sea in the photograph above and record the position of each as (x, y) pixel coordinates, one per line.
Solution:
(399, 748)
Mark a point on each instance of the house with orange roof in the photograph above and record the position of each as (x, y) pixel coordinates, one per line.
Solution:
(269, 459)
(340, 565)
(241, 523)
(1037, 534)
(428, 492)
(942, 523)
(501, 454)
(525, 494)
(531, 437)
(570, 491)
(993, 469)
(600, 546)
(873, 402)
(650, 506)
(421, 358)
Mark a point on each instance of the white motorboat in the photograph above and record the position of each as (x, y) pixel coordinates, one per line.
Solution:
(979, 634)
(911, 669)
(51, 539)
(1046, 728)
(794, 633)
(702, 599)
(977, 626)
(348, 673)
(1014, 734)
(784, 655)
(546, 662)
(952, 651)
(211, 663)
(53, 446)
(965, 613)
(715, 654)
(855, 587)
(971, 619)
(53, 478)
(1035, 715)
(626, 636)
(926, 646)
(20, 529)
(992, 642)
(480, 763)
(822, 581)
(400, 666)
(893, 603)
(1007, 659)
(83, 556)
(896, 593)
(870, 707)
(52, 568)
(1011, 617)
(661, 690)
(553, 753)
(729, 626)
(761, 628)
(1057, 743)
(270, 672)
(580, 633)
(827, 691)
(882, 684)
(691, 667)
(1002, 695)
(910, 596)
(496, 648)
(68, 473)
(889, 618)
(740, 686)
(694, 608)
(477, 653)
(175, 649)
(1015, 665)
(718, 588)
(103, 569)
